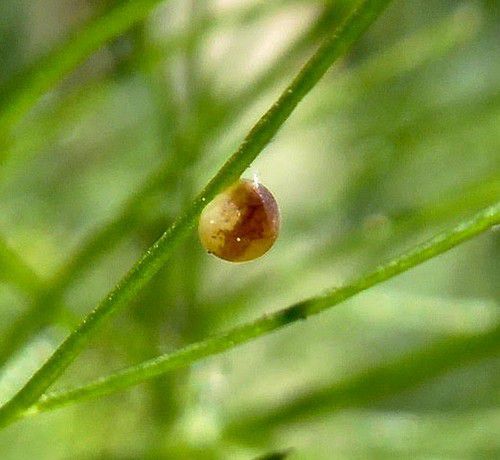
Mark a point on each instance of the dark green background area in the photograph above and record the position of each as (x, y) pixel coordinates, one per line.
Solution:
(399, 140)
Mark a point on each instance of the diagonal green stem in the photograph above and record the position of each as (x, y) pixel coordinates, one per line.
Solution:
(377, 383)
(18, 272)
(441, 243)
(88, 94)
(278, 455)
(156, 256)
(55, 66)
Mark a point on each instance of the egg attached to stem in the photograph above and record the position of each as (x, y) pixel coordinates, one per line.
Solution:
(241, 223)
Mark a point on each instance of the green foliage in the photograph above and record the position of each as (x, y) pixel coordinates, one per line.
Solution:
(274, 321)
(398, 145)
(28, 88)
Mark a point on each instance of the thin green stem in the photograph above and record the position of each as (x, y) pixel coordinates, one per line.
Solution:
(403, 56)
(278, 455)
(56, 65)
(14, 269)
(219, 343)
(331, 16)
(54, 119)
(156, 256)
(377, 383)
(409, 221)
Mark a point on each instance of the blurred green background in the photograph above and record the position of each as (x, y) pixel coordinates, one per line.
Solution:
(399, 140)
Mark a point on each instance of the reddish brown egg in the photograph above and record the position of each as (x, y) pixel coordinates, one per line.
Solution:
(241, 223)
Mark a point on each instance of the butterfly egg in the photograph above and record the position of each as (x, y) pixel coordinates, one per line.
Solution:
(241, 223)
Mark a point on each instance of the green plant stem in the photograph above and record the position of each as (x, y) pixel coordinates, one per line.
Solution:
(407, 222)
(156, 256)
(441, 243)
(56, 65)
(403, 374)
(54, 119)
(23, 92)
(14, 269)
(403, 56)
(174, 287)
(331, 16)
(278, 455)
(453, 117)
